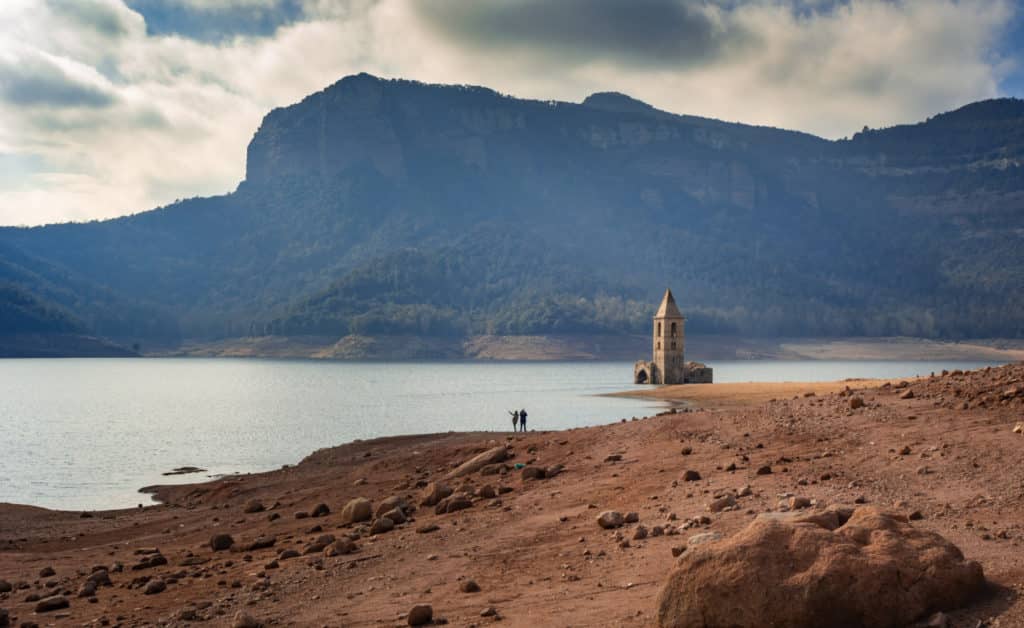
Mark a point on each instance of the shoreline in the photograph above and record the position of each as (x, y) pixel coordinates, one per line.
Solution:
(597, 347)
(735, 395)
(946, 452)
(687, 397)
(679, 397)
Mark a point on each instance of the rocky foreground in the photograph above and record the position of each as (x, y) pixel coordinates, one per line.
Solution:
(894, 505)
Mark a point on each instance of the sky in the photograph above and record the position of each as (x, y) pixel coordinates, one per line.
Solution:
(111, 107)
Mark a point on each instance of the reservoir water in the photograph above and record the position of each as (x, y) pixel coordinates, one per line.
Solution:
(88, 433)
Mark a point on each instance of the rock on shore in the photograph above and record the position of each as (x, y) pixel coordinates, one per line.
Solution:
(873, 570)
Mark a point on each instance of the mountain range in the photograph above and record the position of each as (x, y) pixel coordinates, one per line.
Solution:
(391, 207)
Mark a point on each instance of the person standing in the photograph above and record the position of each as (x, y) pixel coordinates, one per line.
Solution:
(515, 420)
(522, 419)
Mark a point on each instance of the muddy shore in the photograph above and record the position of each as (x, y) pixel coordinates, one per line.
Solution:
(947, 452)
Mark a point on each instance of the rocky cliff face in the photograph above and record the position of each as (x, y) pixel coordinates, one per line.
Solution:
(523, 215)
(405, 132)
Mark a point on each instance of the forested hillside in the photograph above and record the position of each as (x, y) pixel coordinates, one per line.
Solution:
(394, 207)
(23, 313)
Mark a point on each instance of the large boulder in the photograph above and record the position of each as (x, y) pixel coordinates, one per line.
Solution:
(357, 510)
(479, 461)
(866, 568)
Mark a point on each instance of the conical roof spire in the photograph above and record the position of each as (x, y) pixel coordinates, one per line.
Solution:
(668, 307)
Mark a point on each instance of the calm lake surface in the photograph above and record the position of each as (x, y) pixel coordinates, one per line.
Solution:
(88, 433)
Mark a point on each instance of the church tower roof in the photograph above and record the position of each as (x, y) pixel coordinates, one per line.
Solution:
(668, 307)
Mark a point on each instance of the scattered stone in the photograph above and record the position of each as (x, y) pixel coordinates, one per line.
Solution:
(357, 510)
(154, 586)
(262, 542)
(396, 515)
(6, 587)
(52, 603)
(856, 402)
(288, 553)
(1019, 428)
(340, 547)
(490, 611)
(916, 516)
(640, 533)
(150, 561)
(434, 493)
(254, 506)
(798, 503)
(382, 525)
(493, 469)
(907, 394)
(245, 620)
(764, 470)
(794, 574)
(553, 470)
(221, 542)
(632, 517)
(420, 615)
(394, 502)
(691, 476)
(320, 510)
(474, 464)
(487, 492)
(687, 451)
(319, 545)
(613, 458)
(722, 503)
(427, 529)
(532, 473)
(469, 586)
(905, 451)
(610, 519)
(47, 572)
(88, 589)
(453, 504)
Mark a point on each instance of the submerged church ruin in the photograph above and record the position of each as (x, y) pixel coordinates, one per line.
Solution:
(668, 365)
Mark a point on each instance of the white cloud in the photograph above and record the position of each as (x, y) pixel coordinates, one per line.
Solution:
(159, 118)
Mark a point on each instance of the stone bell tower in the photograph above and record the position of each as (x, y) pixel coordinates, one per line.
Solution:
(669, 338)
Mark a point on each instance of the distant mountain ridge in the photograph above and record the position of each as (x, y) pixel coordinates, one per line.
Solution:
(396, 207)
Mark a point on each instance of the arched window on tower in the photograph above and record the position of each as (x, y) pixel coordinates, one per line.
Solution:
(673, 345)
(658, 333)
(673, 331)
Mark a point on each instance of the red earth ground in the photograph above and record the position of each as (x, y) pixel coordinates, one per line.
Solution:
(536, 551)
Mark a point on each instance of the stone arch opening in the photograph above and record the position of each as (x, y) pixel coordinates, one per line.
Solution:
(641, 376)
(673, 330)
